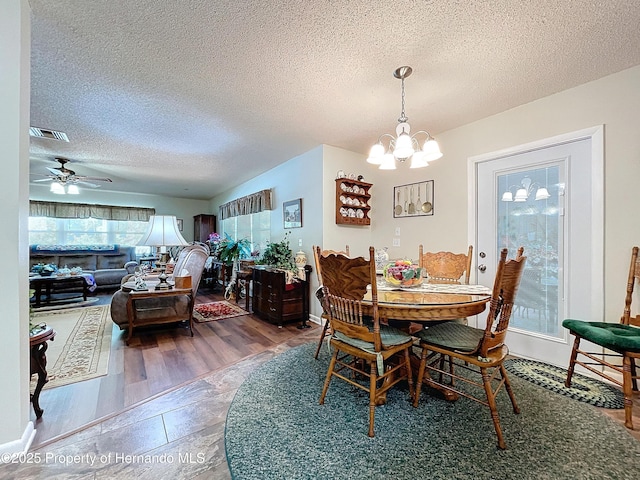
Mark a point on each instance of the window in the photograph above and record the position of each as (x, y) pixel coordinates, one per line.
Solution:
(255, 226)
(86, 231)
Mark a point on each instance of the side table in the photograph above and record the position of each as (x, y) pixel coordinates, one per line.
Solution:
(38, 344)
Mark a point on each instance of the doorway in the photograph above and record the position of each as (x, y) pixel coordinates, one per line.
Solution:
(546, 197)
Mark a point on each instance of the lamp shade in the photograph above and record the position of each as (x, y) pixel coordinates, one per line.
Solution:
(542, 194)
(388, 162)
(162, 231)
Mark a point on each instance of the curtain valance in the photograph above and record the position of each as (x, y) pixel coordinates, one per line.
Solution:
(85, 210)
(254, 203)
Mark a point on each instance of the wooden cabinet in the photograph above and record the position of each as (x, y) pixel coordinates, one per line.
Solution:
(352, 202)
(203, 226)
(275, 301)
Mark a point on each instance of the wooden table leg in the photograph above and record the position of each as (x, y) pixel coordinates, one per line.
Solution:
(38, 366)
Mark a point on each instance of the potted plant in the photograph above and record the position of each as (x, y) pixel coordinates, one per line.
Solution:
(279, 255)
(230, 251)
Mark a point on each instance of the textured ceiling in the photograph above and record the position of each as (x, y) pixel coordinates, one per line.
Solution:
(191, 98)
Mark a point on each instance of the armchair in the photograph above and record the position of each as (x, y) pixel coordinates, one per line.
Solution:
(130, 310)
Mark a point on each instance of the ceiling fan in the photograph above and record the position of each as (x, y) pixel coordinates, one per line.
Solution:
(64, 177)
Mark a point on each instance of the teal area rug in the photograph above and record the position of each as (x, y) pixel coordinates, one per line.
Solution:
(276, 430)
(583, 388)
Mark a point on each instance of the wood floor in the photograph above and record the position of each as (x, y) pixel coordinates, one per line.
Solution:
(157, 360)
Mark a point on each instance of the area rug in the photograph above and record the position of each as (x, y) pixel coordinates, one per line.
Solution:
(276, 429)
(583, 388)
(209, 312)
(80, 350)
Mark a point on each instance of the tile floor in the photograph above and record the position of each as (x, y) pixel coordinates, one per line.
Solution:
(178, 435)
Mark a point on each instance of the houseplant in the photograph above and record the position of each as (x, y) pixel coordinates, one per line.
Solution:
(279, 255)
(230, 251)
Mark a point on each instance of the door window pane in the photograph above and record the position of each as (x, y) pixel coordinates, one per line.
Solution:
(529, 210)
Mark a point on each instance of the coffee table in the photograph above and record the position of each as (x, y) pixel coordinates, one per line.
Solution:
(54, 284)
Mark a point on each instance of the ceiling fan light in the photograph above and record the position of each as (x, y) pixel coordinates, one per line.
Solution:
(404, 146)
(57, 188)
(431, 150)
(418, 160)
(521, 195)
(375, 154)
(542, 194)
(388, 162)
(73, 190)
(507, 197)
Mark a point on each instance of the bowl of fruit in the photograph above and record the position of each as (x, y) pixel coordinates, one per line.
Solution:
(403, 274)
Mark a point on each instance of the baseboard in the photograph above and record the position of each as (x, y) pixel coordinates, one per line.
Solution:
(316, 319)
(22, 445)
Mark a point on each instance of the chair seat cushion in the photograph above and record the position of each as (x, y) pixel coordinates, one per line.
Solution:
(452, 336)
(614, 336)
(388, 335)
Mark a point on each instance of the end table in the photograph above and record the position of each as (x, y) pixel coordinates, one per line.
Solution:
(38, 344)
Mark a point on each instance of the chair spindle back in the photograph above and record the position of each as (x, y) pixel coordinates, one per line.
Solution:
(505, 288)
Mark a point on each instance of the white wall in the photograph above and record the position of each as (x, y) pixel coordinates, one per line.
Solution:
(183, 208)
(15, 428)
(299, 177)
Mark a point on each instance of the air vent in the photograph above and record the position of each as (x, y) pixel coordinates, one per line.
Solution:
(52, 134)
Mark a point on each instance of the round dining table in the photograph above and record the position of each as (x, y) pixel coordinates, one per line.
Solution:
(430, 302)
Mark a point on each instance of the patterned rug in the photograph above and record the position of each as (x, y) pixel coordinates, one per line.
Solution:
(583, 388)
(210, 312)
(80, 350)
(277, 430)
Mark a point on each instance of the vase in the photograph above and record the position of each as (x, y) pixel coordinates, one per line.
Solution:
(381, 258)
(301, 261)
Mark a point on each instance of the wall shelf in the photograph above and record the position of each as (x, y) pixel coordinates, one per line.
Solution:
(352, 196)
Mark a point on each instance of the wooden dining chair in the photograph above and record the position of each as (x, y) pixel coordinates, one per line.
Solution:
(446, 266)
(621, 341)
(482, 350)
(361, 344)
(317, 253)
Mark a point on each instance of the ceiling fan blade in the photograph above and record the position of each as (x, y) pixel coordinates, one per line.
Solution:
(44, 180)
(88, 184)
(55, 171)
(95, 179)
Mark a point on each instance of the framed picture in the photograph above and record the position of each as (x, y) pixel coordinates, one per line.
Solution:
(413, 199)
(180, 223)
(292, 212)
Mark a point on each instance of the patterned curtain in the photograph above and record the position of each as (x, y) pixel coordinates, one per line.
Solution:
(85, 210)
(254, 203)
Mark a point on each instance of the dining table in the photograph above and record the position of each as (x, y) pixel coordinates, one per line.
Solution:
(427, 303)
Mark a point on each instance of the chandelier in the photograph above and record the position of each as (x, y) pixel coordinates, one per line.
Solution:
(524, 190)
(404, 145)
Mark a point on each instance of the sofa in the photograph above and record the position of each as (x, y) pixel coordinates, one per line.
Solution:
(107, 263)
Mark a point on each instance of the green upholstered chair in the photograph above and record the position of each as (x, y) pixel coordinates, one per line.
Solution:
(618, 340)
(365, 348)
(478, 351)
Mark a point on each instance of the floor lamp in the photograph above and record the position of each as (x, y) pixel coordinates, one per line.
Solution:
(161, 233)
